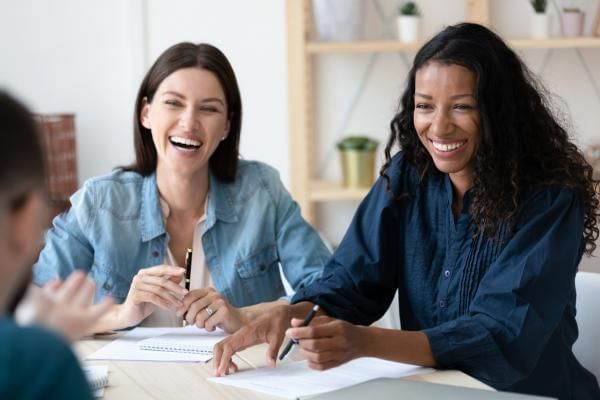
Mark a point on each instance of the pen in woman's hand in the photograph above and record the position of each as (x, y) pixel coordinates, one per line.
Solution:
(188, 274)
(292, 342)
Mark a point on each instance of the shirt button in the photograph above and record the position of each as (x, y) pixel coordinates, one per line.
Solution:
(155, 253)
(106, 286)
(447, 273)
(442, 303)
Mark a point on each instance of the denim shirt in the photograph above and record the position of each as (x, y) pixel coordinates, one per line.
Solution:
(115, 227)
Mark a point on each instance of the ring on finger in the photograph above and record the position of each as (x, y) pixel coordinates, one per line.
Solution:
(209, 311)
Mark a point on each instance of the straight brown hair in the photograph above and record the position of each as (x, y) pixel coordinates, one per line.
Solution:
(223, 163)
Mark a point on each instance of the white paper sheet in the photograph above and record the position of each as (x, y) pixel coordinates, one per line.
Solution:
(296, 379)
(126, 348)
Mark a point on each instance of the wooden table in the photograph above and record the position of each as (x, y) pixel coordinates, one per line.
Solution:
(180, 381)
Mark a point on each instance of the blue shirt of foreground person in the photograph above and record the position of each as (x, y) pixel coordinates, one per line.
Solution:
(479, 223)
(34, 363)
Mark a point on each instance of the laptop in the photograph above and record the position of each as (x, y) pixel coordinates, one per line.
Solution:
(405, 389)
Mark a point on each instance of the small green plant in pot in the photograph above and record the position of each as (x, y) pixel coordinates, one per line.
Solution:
(358, 161)
(539, 6)
(408, 22)
(409, 8)
(540, 21)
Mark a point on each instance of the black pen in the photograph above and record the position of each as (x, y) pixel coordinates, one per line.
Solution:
(292, 342)
(188, 274)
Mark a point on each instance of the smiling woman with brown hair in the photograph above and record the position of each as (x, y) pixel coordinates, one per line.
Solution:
(479, 222)
(186, 189)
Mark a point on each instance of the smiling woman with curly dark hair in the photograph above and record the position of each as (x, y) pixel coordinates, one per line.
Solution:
(479, 221)
(523, 146)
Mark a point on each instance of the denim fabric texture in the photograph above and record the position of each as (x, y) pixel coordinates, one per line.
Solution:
(115, 227)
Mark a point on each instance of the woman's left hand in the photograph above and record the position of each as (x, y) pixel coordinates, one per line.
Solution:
(328, 342)
(208, 309)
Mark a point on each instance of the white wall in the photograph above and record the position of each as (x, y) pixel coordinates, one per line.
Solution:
(73, 56)
(88, 57)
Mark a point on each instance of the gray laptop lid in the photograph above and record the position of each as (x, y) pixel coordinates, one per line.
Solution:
(403, 389)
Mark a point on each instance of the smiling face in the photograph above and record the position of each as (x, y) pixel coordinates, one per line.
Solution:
(447, 119)
(188, 119)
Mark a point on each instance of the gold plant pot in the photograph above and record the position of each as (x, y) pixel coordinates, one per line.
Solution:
(358, 168)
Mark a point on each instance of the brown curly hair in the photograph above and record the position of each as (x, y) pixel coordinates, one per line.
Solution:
(523, 145)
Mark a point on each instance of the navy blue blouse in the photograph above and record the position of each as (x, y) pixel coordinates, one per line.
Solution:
(501, 309)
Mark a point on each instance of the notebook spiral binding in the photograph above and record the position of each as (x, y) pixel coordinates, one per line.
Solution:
(177, 348)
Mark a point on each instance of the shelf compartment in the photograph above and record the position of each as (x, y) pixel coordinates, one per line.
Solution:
(321, 191)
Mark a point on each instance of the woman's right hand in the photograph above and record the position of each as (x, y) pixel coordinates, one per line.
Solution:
(153, 287)
(268, 328)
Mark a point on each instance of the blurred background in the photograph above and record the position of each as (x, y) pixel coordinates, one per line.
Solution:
(87, 58)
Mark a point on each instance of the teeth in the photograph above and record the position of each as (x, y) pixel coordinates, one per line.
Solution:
(447, 146)
(186, 141)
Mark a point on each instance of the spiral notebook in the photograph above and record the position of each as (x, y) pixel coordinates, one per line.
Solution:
(186, 340)
(97, 377)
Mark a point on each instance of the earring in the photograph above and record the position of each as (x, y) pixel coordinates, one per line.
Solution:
(223, 138)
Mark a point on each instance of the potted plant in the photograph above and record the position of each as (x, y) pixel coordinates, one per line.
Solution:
(358, 161)
(572, 19)
(409, 22)
(540, 23)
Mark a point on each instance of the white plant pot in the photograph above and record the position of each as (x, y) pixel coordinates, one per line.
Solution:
(572, 23)
(540, 26)
(339, 20)
(409, 28)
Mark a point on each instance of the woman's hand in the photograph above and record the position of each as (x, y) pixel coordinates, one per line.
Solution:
(328, 342)
(208, 309)
(66, 307)
(153, 287)
(268, 327)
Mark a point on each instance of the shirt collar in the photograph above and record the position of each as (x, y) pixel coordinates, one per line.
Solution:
(466, 203)
(220, 206)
